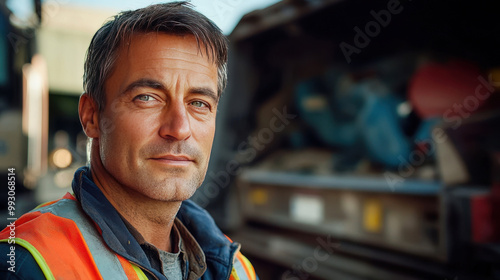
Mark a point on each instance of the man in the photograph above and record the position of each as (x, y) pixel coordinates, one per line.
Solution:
(152, 81)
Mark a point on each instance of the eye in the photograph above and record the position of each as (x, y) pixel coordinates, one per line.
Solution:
(199, 104)
(144, 97)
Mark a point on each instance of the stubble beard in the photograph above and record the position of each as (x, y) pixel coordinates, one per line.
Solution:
(172, 184)
(172, 187)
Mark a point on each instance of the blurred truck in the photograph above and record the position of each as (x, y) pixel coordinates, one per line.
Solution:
(360, 140)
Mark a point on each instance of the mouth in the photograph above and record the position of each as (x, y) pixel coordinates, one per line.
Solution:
(177, 160)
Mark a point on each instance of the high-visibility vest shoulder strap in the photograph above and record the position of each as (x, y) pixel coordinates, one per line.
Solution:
(242, 268)
(69, 245)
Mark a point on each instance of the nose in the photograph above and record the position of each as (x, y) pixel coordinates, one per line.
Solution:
(175, 122)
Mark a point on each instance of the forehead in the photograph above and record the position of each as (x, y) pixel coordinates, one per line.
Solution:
(162, 56)
(163, 45)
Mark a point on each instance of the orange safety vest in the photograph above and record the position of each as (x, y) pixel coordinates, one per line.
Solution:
(67, 244)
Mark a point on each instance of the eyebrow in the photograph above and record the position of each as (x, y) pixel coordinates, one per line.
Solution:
(145, 83)
(205, 91)
(154, 84)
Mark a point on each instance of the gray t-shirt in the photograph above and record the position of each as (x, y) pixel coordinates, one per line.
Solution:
(173, 264)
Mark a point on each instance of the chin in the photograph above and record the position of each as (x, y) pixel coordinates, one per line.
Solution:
(170, 191)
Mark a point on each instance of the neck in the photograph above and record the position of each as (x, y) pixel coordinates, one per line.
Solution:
(153, 219)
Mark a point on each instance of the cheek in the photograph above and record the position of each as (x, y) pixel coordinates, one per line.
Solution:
(206, 136)
(133, 126)
(119, 131)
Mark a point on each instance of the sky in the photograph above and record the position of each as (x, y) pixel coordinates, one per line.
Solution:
(225, 13)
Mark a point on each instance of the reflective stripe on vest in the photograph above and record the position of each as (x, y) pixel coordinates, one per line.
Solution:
(106, 261)
(242, 269)
(36, 255)
(69, 246)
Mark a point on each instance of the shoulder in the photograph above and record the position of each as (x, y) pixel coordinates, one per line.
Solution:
(33, 228)
(17, 263)
(243, 269)
(43, 217)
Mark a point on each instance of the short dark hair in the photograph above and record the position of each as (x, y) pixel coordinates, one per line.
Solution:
(177, 18)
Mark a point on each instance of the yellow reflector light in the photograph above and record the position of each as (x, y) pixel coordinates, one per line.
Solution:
(372, 216)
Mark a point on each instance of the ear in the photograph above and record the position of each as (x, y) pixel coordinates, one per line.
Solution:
(89, 116)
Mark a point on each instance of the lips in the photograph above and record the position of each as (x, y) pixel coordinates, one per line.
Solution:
(173, 159)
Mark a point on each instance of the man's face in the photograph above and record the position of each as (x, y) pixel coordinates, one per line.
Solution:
(157, 128)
